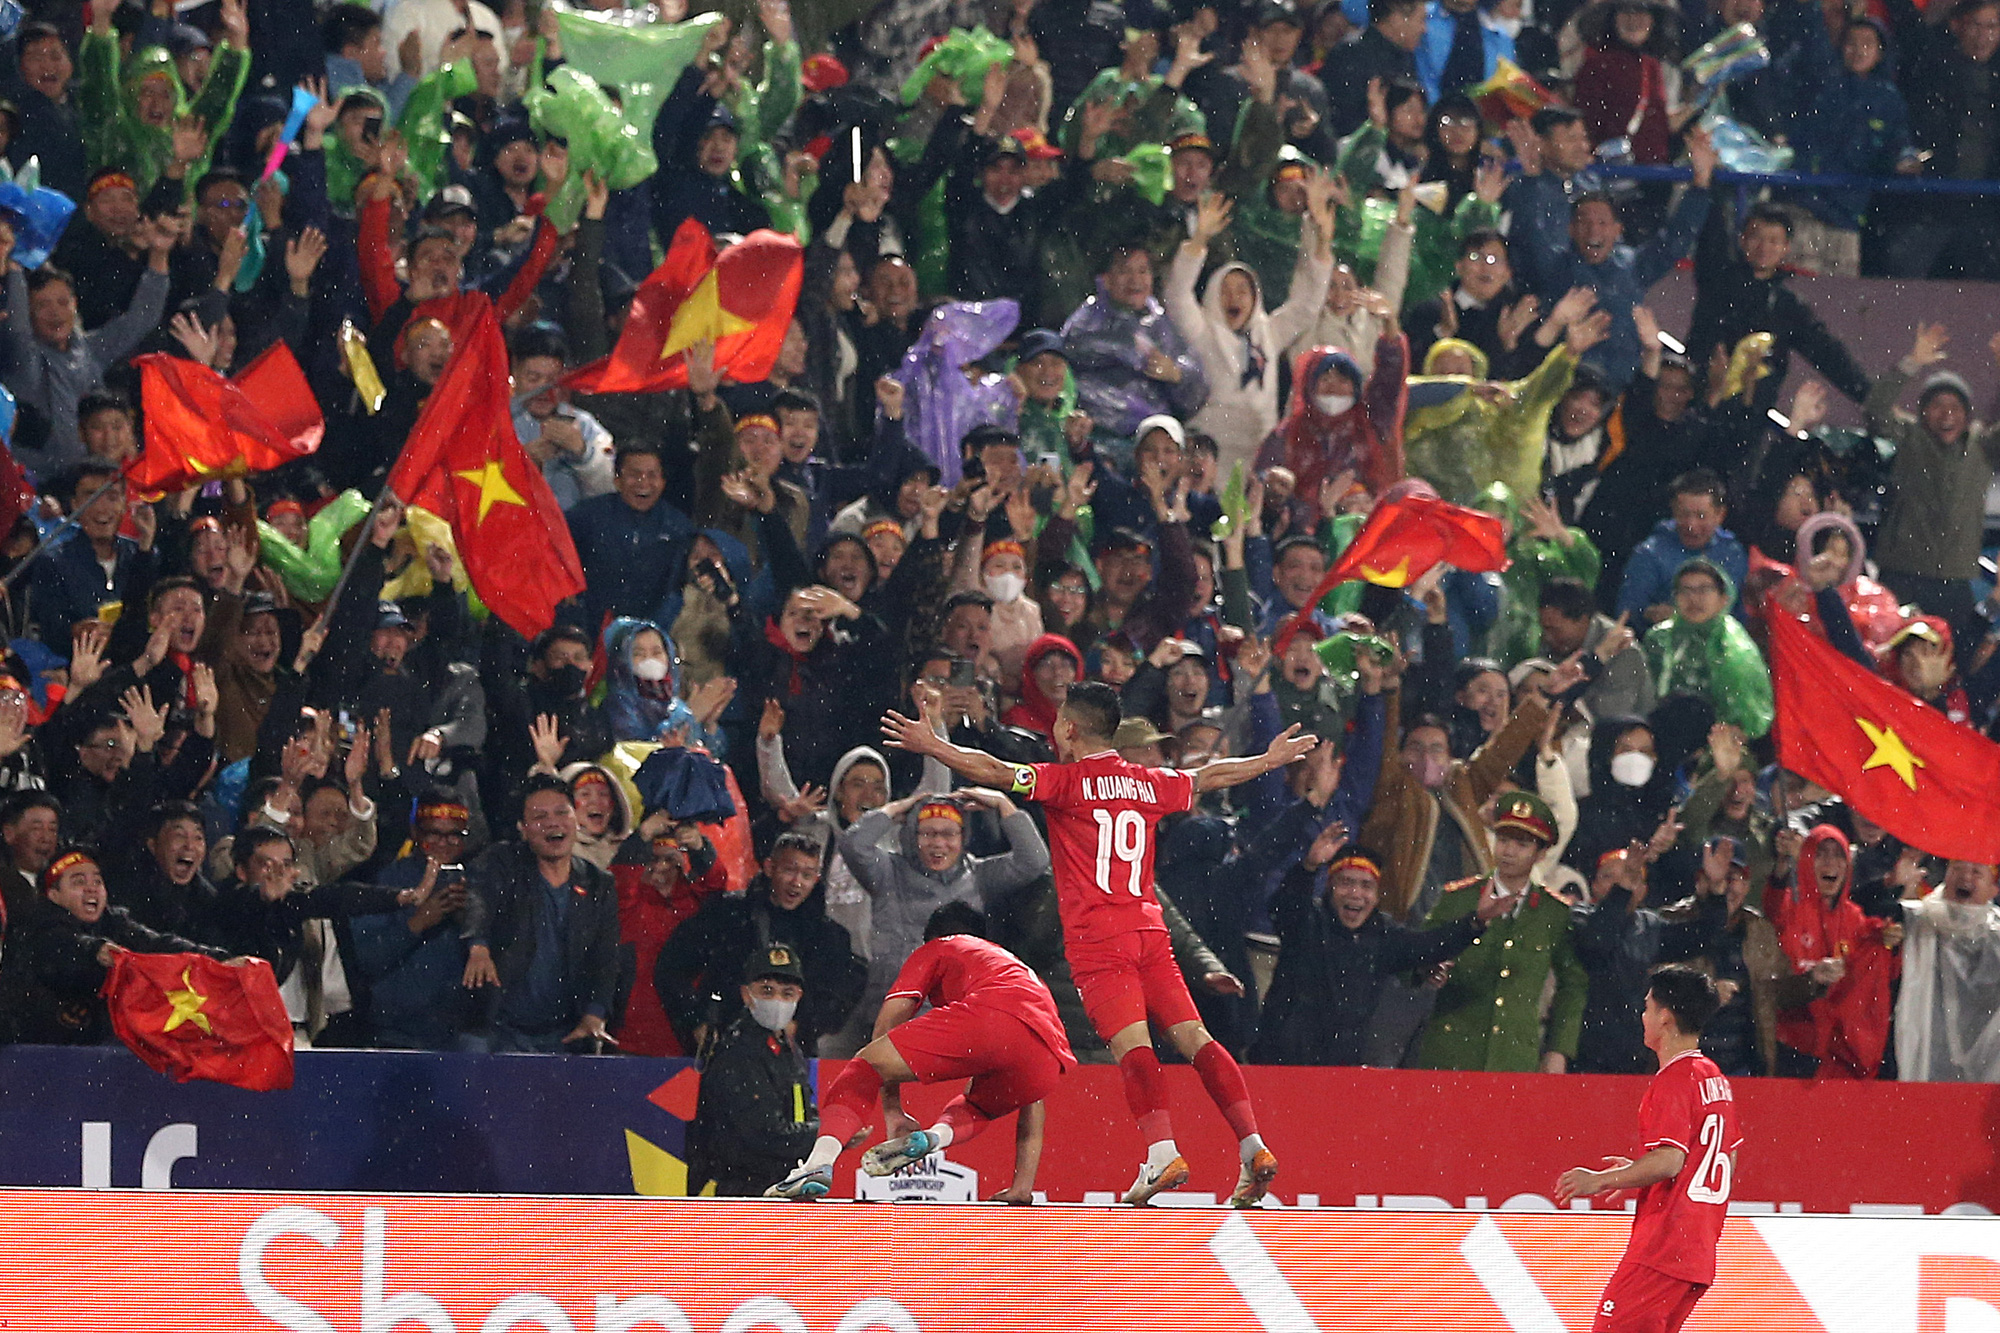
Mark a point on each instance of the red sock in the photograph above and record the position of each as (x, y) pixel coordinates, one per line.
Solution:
(1146, 1093)
(1223, 1078)
(850, 1101)
(966, 1120)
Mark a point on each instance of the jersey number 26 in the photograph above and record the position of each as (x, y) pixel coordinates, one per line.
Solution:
(1711, 1183)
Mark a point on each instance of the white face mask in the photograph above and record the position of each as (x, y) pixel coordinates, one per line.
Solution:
(1632, 769)
(772, 1015)
(1333, 404)
(1005, 587)
(650, 668)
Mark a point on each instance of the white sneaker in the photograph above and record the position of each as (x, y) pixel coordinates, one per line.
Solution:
(807, 1182)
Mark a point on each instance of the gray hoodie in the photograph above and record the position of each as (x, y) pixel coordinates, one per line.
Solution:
(905, 894)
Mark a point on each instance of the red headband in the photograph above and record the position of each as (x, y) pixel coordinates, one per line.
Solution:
(285, 507)
(880, 527)
(68, 861)
(116, 180)
(941, 810)
(1354, 861)
(756, 420)
(587, 776)
(1005, 546)
(443, 810)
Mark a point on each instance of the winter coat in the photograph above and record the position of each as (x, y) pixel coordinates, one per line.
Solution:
(1732, 302)
(50, 977)
(646, 710)
(1936, 519)
(1619, 945)
(1329, 978)
(904, 894)
(1242, 368)
(1650, 571)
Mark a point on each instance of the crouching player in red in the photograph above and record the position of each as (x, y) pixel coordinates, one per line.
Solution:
(1689, 1137)
(992, 1020)
(1103, 814)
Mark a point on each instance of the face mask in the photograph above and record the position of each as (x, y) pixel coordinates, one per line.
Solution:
(1005, 587)
(772, 1015)
(1511, 27)
(650, 668)
(1431, 772)
(1632, 769)
(1333, 404)
(566, 680)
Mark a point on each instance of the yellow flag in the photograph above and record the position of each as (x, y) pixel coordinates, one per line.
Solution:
(361, 367)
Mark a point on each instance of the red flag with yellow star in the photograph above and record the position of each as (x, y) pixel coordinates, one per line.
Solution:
(741, 300)
(191, 1016)
(201, 426)
(1405, 535)
(464, 463)
(1930, 781)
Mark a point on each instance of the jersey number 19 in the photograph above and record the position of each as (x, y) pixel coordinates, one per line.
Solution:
(1121, 838)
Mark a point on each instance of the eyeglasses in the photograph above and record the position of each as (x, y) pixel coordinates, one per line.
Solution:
(227, 205)
(1488, 260)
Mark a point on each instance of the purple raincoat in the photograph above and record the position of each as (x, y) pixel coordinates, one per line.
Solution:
(940, 406)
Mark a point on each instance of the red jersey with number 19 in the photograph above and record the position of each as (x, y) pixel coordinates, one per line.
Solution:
(1102, 814)
(1688, 1105)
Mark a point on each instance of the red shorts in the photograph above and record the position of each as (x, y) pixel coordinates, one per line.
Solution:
(1010, 1067)
(1128, 979)
(1639, 1299)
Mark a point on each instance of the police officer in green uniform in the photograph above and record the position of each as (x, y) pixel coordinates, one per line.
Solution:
(755, 1116)
(1488, 1014)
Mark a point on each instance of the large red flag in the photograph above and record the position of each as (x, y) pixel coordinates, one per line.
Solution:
(191, 1016)
(200, 426)
(1405, 535)
(741, 300)
(1933, 783)
(17, 497)
(464, 463)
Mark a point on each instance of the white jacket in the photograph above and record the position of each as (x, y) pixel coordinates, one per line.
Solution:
(1240, 415)
(1358, 330)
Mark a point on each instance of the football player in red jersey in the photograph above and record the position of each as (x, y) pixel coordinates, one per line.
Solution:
(1102, 814)
(1688, 1137)
(991, 1020)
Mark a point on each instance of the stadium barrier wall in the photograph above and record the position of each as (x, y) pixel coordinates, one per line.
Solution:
(236, 1263)
(385, 1122)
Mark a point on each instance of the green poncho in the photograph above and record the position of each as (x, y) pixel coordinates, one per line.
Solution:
(1358, 228)
(112, 131)
(1717, 661)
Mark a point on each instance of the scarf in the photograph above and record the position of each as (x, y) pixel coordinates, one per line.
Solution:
(795, 684)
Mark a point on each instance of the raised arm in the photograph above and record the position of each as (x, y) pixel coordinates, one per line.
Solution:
(1291, 744)
(919, 735)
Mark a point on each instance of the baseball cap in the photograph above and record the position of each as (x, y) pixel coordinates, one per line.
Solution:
(451, 199)
(1035, 144)
(1036, 342)
(388, 615)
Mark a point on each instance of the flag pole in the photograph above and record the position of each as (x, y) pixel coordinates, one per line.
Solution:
(57, 531)
(353, 557)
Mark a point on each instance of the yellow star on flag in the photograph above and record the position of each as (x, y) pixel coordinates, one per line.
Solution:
(703, 316)
(1388, 578)
(1890, 752)
(187, 1006)
(494, 488)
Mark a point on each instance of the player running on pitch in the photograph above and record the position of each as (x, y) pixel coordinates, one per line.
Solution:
(1687, 1129)
(1102, 812)
(992, 1020)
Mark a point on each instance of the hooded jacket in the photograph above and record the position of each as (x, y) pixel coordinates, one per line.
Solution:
(1847, 1028)
(644, 710)
(600, 848)
(112, 130)
(1243, 367)
(1367, 436)
(1950, 697)
(904, 894)
(1717, 661)
(1037, 712)
(1613, 815)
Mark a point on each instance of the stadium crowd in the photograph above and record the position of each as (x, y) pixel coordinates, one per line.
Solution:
(1115, 325)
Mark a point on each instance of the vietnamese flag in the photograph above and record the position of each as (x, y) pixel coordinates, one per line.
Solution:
(741, 300)
(1930, 781)
(200, 426)
(192, 1016)
(1410, 530)
(464, 463)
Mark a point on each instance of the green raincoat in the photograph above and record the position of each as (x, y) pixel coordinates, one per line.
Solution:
(1358, 228)
(1718, 661)
(112, 131)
